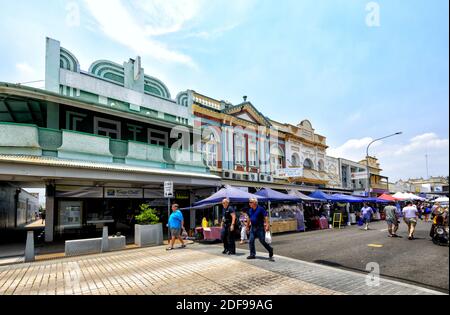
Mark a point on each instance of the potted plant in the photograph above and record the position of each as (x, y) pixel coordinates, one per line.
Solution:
(147, 230)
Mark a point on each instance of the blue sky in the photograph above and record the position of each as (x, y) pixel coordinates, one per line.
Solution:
(295, 60)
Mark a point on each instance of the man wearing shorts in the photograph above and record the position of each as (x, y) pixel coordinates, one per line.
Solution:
(366, 213)
(176, 223)
(391, 219)
(410, 215)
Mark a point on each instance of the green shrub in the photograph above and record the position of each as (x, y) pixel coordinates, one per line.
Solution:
(147, 216)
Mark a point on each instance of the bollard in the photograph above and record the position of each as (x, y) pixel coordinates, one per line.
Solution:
(29, 247)
(105, 241)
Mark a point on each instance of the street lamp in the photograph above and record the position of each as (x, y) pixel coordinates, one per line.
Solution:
(367, 158)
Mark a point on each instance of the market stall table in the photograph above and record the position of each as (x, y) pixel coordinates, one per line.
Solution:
(212, 233)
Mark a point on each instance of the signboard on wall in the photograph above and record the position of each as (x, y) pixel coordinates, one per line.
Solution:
(290, 172)
(359, 175)
(78, 192)
(438, 189)
(134, 193)
(168, 189)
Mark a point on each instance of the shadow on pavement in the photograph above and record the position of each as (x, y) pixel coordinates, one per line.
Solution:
(337, 265)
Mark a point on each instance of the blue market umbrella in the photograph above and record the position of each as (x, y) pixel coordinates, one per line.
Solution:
(273, 195)
(232, 193)
(348, 198)
(318, 194)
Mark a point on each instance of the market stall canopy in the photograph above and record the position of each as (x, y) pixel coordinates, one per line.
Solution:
(387, 197)
(377, 200)
(414, 197)
(441, 199)
(400, 196)
(318, 194)
(302, 196)
(407, 196)
(232, 193)
(348, 198)
(273, 195)
(203, 206)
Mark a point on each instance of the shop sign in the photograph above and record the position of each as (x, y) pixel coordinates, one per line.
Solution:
(290, 172)
(136, 193)
(359, 175)
(182, 195)
(438, 189)
(78, 192)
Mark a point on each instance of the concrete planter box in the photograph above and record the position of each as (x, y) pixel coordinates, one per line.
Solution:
(93, 245)
(148, 235)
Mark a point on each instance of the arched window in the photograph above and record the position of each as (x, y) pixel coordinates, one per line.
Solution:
(209, 149)
(321, 165)
(308, 164)
(295, 160)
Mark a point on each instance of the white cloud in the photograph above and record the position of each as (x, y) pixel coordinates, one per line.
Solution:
(167, 16)
(354, 117)
(26, 71)
(213, 33)
(402, 160)
(353, 149)
(115, 21)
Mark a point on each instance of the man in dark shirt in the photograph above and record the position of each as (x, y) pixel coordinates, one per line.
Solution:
(228, 225)
(259, 224)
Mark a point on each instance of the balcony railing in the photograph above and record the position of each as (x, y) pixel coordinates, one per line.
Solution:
(32, 140)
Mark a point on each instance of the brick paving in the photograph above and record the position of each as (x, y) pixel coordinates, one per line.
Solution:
(199, 269)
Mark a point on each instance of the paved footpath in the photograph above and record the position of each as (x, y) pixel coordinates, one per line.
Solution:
(199, 269)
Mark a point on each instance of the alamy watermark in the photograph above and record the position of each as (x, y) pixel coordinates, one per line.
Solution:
(72, 14)
(373, 278)
(373, 15)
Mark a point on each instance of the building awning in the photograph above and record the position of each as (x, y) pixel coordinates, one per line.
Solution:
(51, 167)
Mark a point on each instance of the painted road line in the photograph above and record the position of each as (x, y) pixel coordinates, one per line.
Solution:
(375, 245)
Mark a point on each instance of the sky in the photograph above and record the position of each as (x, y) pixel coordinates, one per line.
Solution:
(358, 70)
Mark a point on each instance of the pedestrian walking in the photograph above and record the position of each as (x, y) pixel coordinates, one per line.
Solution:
(392, 221)
(176, 225)
(228, 226)
(258, 225)
(244, 219)
(366, 213)
(436, 211)
(410, 215)
(427, 212)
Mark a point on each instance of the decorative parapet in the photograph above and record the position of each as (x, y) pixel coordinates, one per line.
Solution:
(81, 146)
(65, 144)
(106, 81)
(19, 139)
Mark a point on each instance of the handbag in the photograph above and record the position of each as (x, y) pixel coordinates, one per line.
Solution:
(268, 238)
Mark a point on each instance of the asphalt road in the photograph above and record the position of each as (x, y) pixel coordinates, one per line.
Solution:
(418, 262)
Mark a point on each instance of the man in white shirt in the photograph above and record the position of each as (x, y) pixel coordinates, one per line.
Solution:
(410, 216)
(366, 214)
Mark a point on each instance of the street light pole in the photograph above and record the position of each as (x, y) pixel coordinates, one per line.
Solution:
(367, 158)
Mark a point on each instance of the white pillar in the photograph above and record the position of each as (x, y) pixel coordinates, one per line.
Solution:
(29, 247)
(49, 218)
(105, 240)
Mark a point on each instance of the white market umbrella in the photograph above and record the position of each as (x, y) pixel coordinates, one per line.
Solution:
(441, 199)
